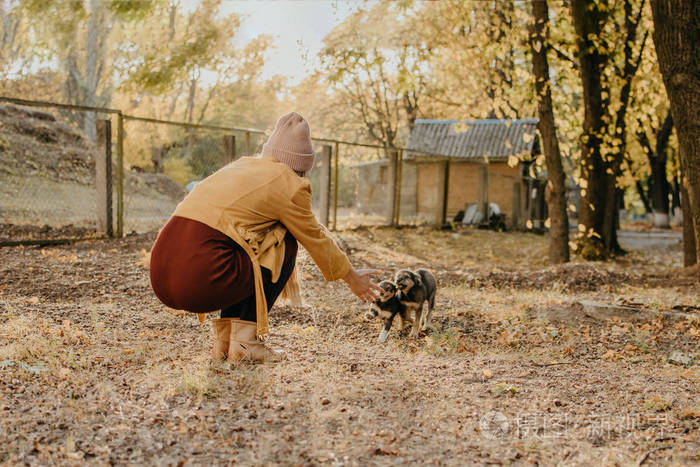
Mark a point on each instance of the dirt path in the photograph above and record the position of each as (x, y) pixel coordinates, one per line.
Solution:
(94, 369)
(650, 240)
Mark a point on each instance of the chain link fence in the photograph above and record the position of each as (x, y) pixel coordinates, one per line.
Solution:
(364, 194)
(167, 159)
(48, 188)
(59, 185)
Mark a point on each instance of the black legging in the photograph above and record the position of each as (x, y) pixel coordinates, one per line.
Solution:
(245, 309)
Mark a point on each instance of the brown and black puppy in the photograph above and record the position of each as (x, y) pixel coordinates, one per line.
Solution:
(387, 307)
(415, 288)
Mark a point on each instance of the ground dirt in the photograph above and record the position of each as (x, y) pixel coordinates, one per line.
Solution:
(519, 368)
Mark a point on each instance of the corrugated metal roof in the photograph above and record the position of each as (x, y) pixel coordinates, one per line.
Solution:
(476, 139)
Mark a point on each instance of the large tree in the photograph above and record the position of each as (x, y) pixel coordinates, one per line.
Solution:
(606, 73)
(185, 66)
(677, 37)
(657, 197)
(556, 189)
(377, 67)
(79, 35)
(479, 68)
(13, 32)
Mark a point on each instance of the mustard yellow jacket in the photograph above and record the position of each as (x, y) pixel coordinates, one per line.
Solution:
(254, 201)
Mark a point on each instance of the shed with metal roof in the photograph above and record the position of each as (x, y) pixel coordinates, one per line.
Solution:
(449, 164)
(476, 140)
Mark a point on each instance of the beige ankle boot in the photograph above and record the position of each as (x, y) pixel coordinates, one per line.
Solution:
(246, 346)
(222, 337)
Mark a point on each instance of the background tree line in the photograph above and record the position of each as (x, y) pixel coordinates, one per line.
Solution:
(590, 70)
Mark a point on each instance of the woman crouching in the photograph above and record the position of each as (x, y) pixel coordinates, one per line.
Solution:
(231, 244)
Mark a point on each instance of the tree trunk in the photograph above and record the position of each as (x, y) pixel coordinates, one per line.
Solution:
(595, 192)
(556, 189)
(676, 36)
(675, 188)
(689, 251)
(189, 115)
(618, 145)
(644, 196)
(11, 44)
(91, 68)
(660, 190)
(660, 186)
(611, 216)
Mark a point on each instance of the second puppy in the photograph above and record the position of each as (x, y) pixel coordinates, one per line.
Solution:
(415, 288)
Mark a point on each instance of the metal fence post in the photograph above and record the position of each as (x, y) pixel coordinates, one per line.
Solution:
(445, 192)
(517, 205)
(484, 192)
(325, 184)
(229, 154)
(103, 175)
(120, 174)
(399, 175)
(335, 186)
(391, 211)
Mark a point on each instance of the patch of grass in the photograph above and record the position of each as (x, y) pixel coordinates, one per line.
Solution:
(656, 305)
(302, 330)
(26, 342)
(504, 389)
(657, 404)
(199, 384)
(77, 361)
(443, 344)
(136, 354)
(641, 340)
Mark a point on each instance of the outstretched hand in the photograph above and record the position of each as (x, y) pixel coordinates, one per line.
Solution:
(361, 285)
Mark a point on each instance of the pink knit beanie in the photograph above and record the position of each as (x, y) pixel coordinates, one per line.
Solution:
(290, 143)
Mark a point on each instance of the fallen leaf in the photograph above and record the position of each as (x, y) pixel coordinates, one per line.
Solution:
(384, 451)
(690, 414)
(145, 259)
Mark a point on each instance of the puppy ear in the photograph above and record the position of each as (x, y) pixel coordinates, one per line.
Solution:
(416, 279)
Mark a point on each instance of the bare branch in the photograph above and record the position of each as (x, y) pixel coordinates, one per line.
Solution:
(562, 55)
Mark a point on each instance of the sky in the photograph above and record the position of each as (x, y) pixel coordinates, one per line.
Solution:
(297, 28)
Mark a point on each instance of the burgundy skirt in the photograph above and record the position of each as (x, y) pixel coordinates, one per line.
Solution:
(197, 268)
